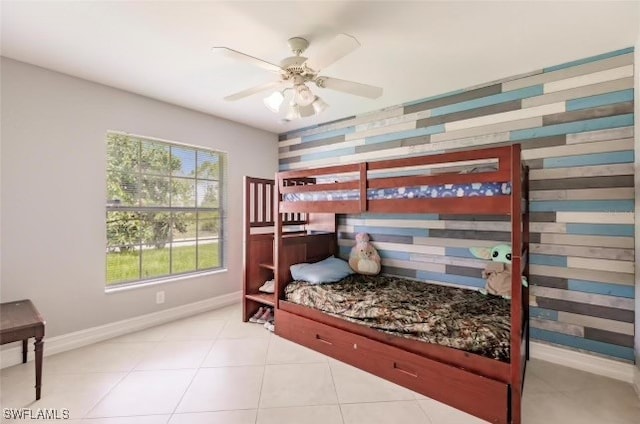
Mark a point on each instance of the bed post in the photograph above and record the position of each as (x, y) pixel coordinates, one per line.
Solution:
(277, 241)
(525, 242)
(363, 187)
(246, 252)
(516, 286)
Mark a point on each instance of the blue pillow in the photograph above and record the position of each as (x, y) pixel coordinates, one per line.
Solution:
(329, 270)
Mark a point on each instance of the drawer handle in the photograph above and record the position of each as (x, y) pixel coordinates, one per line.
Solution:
(323, 340)
(402, 370)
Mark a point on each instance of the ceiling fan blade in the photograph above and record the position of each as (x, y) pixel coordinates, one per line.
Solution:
(254, 90)
(234, 54)
(340, 46)
(362, 90)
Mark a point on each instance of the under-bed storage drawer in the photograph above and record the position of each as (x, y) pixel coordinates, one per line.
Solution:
(475, 394)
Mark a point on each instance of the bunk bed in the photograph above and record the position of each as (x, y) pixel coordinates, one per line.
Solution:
(258, 240)
(489, 387)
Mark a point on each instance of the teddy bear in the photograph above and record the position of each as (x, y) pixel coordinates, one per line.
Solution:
(498, 271)
(364, 258)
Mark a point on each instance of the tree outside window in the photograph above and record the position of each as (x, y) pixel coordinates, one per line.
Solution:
(164, 209)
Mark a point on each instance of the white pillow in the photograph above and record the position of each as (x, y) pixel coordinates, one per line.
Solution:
(329, 270)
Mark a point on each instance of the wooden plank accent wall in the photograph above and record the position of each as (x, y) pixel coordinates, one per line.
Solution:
(575, 123)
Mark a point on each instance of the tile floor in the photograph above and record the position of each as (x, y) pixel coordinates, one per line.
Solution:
(214, 369)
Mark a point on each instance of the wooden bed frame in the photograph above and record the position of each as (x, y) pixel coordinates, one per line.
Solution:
(259, 209)
(484, 387)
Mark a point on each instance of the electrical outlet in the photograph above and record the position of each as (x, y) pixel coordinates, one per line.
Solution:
(160, 297)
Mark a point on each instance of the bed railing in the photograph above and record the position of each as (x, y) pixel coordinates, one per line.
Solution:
(341, 179)
(351, 186)
(260, 195)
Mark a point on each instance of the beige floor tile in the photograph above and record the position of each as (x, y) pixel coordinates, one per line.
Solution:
(283, 351)
(300, 385)
(216, 389)
(357, 386)
(297, 385)
(233, 312)
(325, 414)
(145, 393)
(19, 375)
(142, 419)
(244, 330)
(384, 413)
(152, 334)
(562, 378)
(59, 420)
(99, 357)
(175, 355)
(40, 421)
(193, 329)
(77, 393)
(235, 352)
(219, 417)
(439, 413)
(555, 408)
(535, 385)
(598, 400)
(419, 396)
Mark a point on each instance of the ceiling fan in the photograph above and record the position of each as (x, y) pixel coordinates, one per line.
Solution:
(296, 71)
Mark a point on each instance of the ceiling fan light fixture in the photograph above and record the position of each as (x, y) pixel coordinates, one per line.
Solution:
(293, 112)
(303, 96)
(306, 111)
(296, 72)
(274, 101)
(319, 105)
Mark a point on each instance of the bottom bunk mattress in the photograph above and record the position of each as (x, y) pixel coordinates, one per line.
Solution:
(453, 317)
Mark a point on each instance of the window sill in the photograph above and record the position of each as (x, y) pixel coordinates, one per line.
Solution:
(160, 281)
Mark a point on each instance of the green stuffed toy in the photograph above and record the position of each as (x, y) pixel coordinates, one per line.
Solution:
(498, 271)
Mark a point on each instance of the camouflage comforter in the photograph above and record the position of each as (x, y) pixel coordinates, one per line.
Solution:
(457, 318)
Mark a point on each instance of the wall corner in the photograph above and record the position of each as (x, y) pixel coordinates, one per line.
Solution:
(636, 86)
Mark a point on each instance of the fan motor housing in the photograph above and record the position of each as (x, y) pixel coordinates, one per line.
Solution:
(295, 66)
(293, 62)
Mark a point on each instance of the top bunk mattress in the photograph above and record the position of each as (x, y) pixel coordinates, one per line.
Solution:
(414, 192)
(453, 317)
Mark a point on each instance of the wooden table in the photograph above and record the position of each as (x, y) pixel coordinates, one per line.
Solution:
(20, 320)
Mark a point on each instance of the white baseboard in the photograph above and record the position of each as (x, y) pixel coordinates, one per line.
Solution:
(636, 380)
(62, 343)
(582, 361)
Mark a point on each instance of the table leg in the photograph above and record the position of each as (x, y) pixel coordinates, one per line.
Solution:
(24, 350)
(38, 347)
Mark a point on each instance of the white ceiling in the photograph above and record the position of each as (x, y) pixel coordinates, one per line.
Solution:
(162, 49)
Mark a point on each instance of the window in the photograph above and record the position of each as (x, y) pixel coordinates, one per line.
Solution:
(164, 211)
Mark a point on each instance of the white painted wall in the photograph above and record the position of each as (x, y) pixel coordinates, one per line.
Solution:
(53, 176)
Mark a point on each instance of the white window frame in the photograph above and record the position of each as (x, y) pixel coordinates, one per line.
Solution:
(114, 206)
